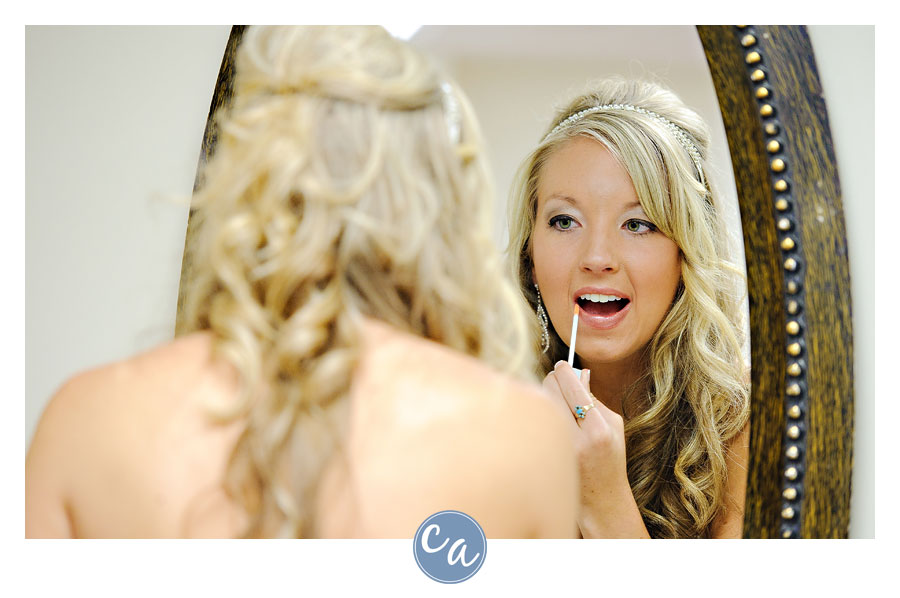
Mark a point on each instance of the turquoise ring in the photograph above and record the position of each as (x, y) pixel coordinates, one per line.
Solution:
(580, 410)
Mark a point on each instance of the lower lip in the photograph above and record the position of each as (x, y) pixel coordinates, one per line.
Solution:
(603, 322)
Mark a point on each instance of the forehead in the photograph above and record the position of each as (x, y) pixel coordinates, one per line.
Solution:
(583, 169)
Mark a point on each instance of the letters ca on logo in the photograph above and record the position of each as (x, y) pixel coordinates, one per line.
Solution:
(450, 547)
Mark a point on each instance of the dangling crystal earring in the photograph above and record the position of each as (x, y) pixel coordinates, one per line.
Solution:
(542, 318)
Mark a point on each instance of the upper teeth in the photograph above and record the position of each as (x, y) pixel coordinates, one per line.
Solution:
(597, 298)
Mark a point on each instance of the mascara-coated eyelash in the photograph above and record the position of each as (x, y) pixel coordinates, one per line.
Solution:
(650, 227)
(556, 220)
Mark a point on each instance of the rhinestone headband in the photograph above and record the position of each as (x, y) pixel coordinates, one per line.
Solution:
(679, 133)
(451, 106)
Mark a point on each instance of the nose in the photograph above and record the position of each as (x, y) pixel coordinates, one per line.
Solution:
(600, 254)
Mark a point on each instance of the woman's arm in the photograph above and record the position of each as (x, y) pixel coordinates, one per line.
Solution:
(730, 522)
(608, 508)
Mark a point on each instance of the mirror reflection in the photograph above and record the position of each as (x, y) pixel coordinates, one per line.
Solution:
(610, 213)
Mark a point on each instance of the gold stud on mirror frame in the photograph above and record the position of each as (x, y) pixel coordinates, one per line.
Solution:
(793, 307)
(781, 185)
(794, 434)
(793, 390)
(790, 493)
(793, 287)
(753, 57)
(748, 40)
(767, 110)
(793, 349)
(794, 412)
(787, 513)
(790, 264)
(781, 205)
(793, 327)
(787, 534)
(762, 93)
(773, 146)
(778, 165)
(787, 244)
(792, 453)
(757, 75)
(791, 473)
(784, 224)
(772, 129)
(794, 369)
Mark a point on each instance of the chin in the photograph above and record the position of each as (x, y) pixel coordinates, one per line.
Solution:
(608, 356)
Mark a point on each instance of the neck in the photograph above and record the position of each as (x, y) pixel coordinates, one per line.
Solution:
(609, 381)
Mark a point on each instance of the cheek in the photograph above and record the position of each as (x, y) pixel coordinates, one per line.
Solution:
(552, 272)
(550, 262)
(539, 258)
(660, 271)
(669, 271)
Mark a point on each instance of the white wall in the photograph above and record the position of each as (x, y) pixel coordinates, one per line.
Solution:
(845, 57)
(114, 121)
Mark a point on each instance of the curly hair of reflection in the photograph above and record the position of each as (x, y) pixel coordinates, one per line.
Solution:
(343, 185)
(694, 395)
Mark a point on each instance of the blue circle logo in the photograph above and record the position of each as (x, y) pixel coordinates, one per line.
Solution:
(449, 547)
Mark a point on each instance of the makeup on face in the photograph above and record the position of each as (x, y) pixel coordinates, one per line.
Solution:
(595, 249)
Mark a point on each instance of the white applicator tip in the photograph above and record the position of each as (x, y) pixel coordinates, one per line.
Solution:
(572, 342)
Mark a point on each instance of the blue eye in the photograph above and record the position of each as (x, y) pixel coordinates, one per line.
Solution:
(562, 222)
(640, 227)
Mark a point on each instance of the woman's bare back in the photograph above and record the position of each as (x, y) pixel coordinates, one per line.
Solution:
(128, 450)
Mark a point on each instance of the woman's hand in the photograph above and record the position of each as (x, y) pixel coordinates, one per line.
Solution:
(608, 508)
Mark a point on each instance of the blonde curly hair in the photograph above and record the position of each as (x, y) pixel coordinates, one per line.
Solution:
(348, 181)
(693, 397)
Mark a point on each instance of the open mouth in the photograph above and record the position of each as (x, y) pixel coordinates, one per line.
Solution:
(601, 305)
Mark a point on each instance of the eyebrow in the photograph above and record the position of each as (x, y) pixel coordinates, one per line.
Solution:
(564, 198)
(574, 202)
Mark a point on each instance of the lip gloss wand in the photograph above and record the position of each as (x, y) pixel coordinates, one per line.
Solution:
(572, 342)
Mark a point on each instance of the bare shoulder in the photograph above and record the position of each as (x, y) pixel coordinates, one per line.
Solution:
(411, 368)
(93, 437)
(455, 433)
(89, 399)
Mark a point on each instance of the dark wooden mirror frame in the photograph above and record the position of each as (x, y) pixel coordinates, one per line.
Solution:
(798, 483)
